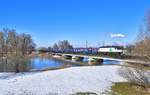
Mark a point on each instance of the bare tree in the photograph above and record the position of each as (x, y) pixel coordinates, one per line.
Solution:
(64, 45)
(25, 43)
(50, 49)
(61, 46)
(55, 47)
(11, 42)
(136, 73)
(142, 47)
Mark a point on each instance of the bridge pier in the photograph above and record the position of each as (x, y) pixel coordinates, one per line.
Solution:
(77, 58)
(95, 61)
(69, 57)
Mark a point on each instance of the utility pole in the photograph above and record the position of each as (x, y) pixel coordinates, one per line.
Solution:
(103, 43)
(124, 43)
(86, 44)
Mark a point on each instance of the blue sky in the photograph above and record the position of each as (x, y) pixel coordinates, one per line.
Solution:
(75, 20)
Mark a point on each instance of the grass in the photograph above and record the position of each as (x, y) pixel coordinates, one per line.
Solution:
(147, 68)
(143, 66)
(124, 88)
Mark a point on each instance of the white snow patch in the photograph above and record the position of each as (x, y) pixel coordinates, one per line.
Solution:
(63, 82)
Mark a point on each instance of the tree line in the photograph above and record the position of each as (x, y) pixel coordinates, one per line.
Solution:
(13, 43)
(60, 46)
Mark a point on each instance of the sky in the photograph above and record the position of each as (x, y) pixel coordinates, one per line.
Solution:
(78, 21)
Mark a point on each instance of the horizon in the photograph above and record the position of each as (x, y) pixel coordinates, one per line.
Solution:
(77, 21)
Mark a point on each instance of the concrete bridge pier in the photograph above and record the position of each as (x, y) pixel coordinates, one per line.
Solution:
(77, 58)
(95, 61)
(68, 57)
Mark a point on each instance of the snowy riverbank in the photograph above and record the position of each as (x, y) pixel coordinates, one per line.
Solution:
(63, 82)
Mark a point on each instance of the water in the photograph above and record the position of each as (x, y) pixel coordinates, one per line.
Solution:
(39, 63)
(111, 62)
(48, 63)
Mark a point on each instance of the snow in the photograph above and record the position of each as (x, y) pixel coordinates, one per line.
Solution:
(67, 81)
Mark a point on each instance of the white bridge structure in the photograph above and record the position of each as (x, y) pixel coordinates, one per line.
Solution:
(94, 59)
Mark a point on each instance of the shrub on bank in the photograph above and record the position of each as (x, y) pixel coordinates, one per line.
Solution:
(136, 75)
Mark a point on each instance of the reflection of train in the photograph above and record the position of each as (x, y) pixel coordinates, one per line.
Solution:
(111, 50)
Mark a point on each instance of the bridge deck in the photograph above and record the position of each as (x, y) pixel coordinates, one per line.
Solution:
(106, 58)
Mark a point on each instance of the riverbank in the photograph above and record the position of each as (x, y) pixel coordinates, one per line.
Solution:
(67, 81)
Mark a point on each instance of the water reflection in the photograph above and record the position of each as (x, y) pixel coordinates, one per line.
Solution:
(48, 63)
(41, 63)
(33, 64)
(14, 65)
(111, 62)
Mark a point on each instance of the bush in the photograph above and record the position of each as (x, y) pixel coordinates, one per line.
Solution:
(136, 75)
